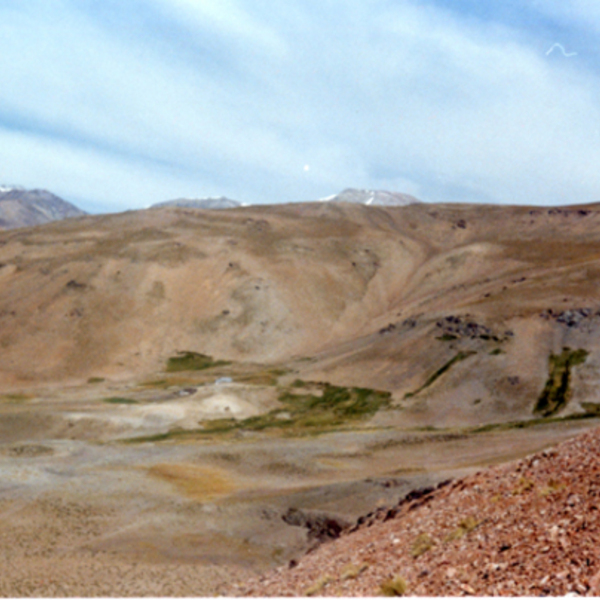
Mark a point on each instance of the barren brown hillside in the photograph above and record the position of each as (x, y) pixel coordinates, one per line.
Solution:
(377, 297)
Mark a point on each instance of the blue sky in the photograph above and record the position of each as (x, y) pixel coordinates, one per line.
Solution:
(115, 105)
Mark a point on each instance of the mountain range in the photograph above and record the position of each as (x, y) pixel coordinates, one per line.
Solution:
(350, 195)
(24, 208)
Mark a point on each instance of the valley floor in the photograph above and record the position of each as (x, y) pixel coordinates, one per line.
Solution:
(95, 498)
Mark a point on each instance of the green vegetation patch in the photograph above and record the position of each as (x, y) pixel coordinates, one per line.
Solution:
(95, 380)
(557, 392)
(193, 361)
(118, 400)
(299, 413)
(447, 337)
(16, 397)
(443, 369)
(335, 406)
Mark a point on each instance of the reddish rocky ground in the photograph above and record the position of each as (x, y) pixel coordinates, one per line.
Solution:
(530, 528)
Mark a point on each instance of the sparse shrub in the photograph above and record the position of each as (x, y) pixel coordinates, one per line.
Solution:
(497, 352)
(523, 485)
(351, 571)
(464, 527)
(314, 589)
(95, 380)
(553, 486)
(423, 543)
(395, 586)
(468, 524)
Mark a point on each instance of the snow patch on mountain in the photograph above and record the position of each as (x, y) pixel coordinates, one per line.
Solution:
(372, 198)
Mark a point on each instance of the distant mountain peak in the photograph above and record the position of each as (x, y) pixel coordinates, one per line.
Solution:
(24, 208)
(372, 197)
(207, 203)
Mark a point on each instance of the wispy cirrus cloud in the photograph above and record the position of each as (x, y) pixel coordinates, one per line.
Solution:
(124, 104)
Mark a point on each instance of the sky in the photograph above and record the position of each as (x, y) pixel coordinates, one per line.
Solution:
(115, 105)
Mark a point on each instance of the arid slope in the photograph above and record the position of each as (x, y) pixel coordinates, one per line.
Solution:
(456, 309)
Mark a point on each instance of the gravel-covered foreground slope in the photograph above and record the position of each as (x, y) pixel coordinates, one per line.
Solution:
(529, 527)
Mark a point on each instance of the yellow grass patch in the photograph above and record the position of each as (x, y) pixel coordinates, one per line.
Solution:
(200, 483)
(318, 586)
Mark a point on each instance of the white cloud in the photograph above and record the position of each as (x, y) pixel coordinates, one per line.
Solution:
(94, 177)
(582, 13)
(225, 17)
(368, 94)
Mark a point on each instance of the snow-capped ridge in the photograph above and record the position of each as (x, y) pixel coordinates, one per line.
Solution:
(372, 198)
(10, 188)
